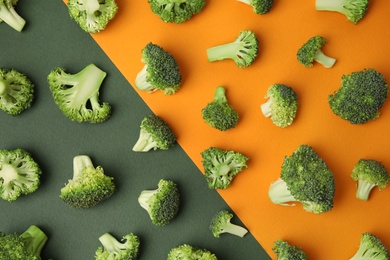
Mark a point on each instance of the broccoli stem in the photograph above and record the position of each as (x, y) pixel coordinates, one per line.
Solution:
(110, 243)
(145, 142)
(363, 189)
(79, 163)
(331, 5)
(91, 6)
(11, 17)
(224, 51)
(34, 239)
(326, 61)
(235, 229)
(219, 95)
(266, 108)
(144, 197)
(280, 194)
(141, 81)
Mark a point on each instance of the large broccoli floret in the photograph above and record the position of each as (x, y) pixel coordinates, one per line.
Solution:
(311, 51)
(10, 16)
(77, 95)
(220, 223)
(160, 71)
(189, 252)
(259, 6)
(371, 248)
(354, 10)
(222, 166)
(219, 113)
(281, 106)
(92, 15)
(368, 174)
(304, 178)
(284, 251)
(176, 11)
(19, 174)
(112, 249)
(26, 246)
(89, 185)
(360, 96)
(243, 51)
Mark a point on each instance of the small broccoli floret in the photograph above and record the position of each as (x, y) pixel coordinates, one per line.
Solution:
(371, 248)
(219, 113)
(354, 10)
(176, 11)
(92, 15)
(360, 96)
(222, 166)
(259, 6)
(77, 95)
(112, 249)
(89, 185)
(281, 106)
(189, 252)
(220, 223)
(243, 51)
(368, 174)
(304, 178)
(311, 52)
(284, 251)
(10, 16)
(26, 246)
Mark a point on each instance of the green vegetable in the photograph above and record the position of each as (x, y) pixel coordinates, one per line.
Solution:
(10, 16)
(112, 249)
(311, 51)
(176, 11)
(259, 6)
(371, 248)
(284, 251)
(189, 252)
(354, 10)
(220, 223)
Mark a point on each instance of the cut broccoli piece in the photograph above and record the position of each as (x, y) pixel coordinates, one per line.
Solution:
(311, 51)
(243, 51)
(304, 178)
(89, 185)
(219, 113)
(360, 96)
(368, 174)
(222, 166)
(284, 251)
(176, 11)
(189, 252)
(259, 6)
(281, 106)
(26, 246)
(160, 71)
(112, 249)
(162, 204)
(371, 248)
(19, 174)
(354, 10)
(92, 15)
(77, 95)
(10, 16)
(220, 223)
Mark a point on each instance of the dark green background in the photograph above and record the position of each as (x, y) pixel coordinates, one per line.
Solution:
(50, 39)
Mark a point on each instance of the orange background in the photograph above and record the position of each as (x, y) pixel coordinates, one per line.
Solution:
(332, 235)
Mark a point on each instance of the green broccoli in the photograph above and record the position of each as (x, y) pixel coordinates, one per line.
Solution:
(160, 71)
(92, 15)
(219, 113)
(284, 251)
(155, 134)
(220, 223)
(243, 51)
(26, 246)
(89, 185)
(189, 252)
(259, 6)
(162, 204)
(281, 106)
(222, 166)
(371, 248)
(368, 174)
(112, 249)
(176, 11)
(10, 16)
(311, 51)
(19, 174)
(354, 10)
(304, 178)
(360, 96)
(77, 95)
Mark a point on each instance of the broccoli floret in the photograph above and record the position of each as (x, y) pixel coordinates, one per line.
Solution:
(112, 249)
(311, 51)
(10, 16)
(284, 251)
(371, 248)
(26, 246)
(89, 185)
(162, 204)
(19, 174)
(368, 174)
(160, 71)
(243, 51)
(281, 106)
(77, 95)
(360, 96)
(304, 178)
(354, 10)
(189, 252)
(176, 11)
(222, 166)
(92, 15)
(155, 134)
(259, 6)
(220, 223)
(219, 113)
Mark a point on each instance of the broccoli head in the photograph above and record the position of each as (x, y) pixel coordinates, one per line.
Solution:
(220, 223)
(360, 96)
(304, 178)
(10, 16)
(92, 15)
(160, 71)
(371, 248)
(259, 6)
(311, 52)
(176, 11)
(281, 106)
(186, 251)
(222, 166)
(219, 113)
(354, 10)
(284, 251)
(77, 95)
(89, 185)
(243, 51)
(112, 249)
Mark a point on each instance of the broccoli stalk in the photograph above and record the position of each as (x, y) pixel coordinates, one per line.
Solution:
(281, 194)
(354, 10)
(371, 248)
(113, 249)
(284, 251)
(259, 6)
(220, 223)
(10, 16)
